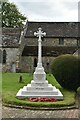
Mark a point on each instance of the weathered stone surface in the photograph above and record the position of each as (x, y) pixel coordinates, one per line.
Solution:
(10, 58)
(11, 36)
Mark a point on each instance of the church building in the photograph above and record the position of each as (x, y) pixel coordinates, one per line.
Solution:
(20, 46)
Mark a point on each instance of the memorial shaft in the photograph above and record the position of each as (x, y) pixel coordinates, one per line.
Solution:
(39, 34)
(39, 52)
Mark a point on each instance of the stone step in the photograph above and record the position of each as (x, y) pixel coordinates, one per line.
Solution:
(30, 88)
(24, 94)
(39, 88)
(36, 92)
(39, 83)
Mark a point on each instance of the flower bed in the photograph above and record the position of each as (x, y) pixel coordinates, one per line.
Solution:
(43, 99)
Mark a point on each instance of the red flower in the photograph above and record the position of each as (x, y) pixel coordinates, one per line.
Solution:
(33, 99)
(42, 99)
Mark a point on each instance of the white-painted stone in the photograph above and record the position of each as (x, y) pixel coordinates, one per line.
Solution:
(39, 86)
(40, 83)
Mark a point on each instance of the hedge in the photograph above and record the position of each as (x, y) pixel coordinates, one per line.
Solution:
(66, 69)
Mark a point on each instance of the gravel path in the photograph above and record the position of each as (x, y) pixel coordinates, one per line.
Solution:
(8, 112)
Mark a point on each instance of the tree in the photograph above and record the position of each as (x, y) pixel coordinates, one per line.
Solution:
(11, 17)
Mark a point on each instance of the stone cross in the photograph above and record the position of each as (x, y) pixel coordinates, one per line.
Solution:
(39, 86)
(39, 34)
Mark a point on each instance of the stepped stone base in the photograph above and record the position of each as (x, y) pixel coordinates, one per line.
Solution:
(39, 87)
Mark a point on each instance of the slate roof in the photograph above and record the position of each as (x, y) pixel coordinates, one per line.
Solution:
(10, 37)
(53, 29)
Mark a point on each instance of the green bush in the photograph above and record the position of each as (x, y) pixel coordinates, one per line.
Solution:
(66, 69)
(78, 91)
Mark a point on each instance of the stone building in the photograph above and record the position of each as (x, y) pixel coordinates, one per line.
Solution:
(10, 48)
(19, 46)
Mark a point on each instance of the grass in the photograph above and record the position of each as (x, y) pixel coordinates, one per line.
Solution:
(11, 85)
(0, 82)
(0, 86)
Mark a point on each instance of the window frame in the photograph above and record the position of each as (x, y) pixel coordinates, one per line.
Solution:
(4, 56)
(61, 41)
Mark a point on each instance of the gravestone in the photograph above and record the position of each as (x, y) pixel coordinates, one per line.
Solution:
(13, 69)
(39, 86)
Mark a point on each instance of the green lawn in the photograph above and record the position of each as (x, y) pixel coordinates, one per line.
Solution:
(0, 82)
(11, 85)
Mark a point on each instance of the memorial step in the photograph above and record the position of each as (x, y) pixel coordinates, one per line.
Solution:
(39, 88)
(31, 90)
(32, 94)
(39, 83)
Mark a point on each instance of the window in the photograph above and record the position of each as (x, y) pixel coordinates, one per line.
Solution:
(61, 41)
(78, 42)
(35, 62)
(0, 56)
(4, 56)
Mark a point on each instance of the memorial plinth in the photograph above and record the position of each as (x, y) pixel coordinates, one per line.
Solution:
(39, 86)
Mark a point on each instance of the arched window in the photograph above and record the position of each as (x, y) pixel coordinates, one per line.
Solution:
(35, 62)
(4, 56)
(0, 56)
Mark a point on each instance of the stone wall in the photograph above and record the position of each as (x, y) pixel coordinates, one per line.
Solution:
(11, 37)
(11, 57)
(10, 43)
(70, 42)
(27, 63)
(50, 42)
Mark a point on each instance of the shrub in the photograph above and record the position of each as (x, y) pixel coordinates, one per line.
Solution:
(66, 69)
(78, 91)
